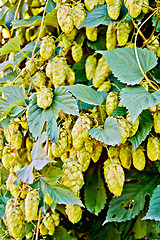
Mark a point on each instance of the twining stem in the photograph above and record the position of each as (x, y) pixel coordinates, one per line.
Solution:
(25, 55)
(38, 224)
(100, 108)
(16, 13)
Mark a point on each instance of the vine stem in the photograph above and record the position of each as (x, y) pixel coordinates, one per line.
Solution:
(139, 64)
(16, 13)
(38, 224)
(100, 108)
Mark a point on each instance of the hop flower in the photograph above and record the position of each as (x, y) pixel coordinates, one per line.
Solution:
(91, 33)
(111, 36)
(77, 52)
(105, 86)
(79, 14)
(31, 205)
(14, 189)
(39, 79)
(111, 103)
(125, 155)
(73, 212)
(84, 158)
(65, 19)
(153, 148)
(139, 159)
(123, 30)
(56, 218)
(90, 67)
(90, 4)
(70, 75)
(101, 73)
(114, 7)
(133, 126)
(31, 67)
(114, 176)
(9, 159)
(97, 150)
(134, 7)
(145, 9)
(124, 128)
(15, 220)
(47, 48)
(44, 97)
(49, 224)
(16, 139)
(113, 152)
(156, 122)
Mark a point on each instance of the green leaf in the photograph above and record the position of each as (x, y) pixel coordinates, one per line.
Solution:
(95, 17)
(154, 19)
(51, 5)
(94, 192)
(154, 208)
(11, 106)
(156, 74)
(136, 99)
(51, 174)
(32, 21)
(11, 46)
(7, 64)
(100, 44)
(132, 200)
(86, 94)
(61, 233)
(3, 14)
(107, 232)
(29, 227)
(119, 112)
(3, 202)
(123, 63)
(145, 126)
(110, 135)
(51, 18)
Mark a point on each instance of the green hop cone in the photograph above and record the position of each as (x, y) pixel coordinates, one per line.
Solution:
(111, 36)
(16, 139)
(105, 86)
(153, 148)
(47, 48)
(65, 43)
(79, 14)
(77, 52)
(144, 6)
(48, 199)
(124, 128)
(90, 4)
(111, 103)
(44, 97)
(72, 175)
(156, 122)
(15, 220)
(49, 223)
(133, 126)
(101, 73)
(123, 30)
(125, 155)
(43, 229)
(114, 176)
(74, 213)
(31, 67)
(134, 7)
(70, 75)
(113, 152)
(20, 32)
(9, 158)
(139, 159)
(39, 79)
(92, 33)
(29, 235)
(14, 189)
(65, 18)
(90, 67)
(97, 150)
(31, 205)
(84, 158)
(56, 217)
(114, 7)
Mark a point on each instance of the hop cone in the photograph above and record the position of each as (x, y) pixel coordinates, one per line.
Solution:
(114, 176)
(90, 67)
(31, 205)
(123, 31)
(72, 35)
(15, 220)
(77, 52)
(133, 126)
(124, 128)
(156, 121)
(70, 75)
(73, 212)
(47, 48)
(56, 218)
(111, 36)
(92, 33)
(14, 189)
(49, 223)
(153, 148)
(73, 177)
(31, 67)
(9, 157)
(84, 158)
(90, 4)
(43, 229)
(111, 103)
(139, 159)
(125, 155)
(16, 139)
(97, 150)
(65, 43)
(80, 131)
(39, 79)
(113, 152)
(24, 122)
(114, 7)
(145, 9)
(29, 143)
(101, 73)
(44, 97)
(65, 19)
(99, 114)
(134, 7)
(79, 14)
(105, 86)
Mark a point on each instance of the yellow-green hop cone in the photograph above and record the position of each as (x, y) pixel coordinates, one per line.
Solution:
(79, 14)
(49, 69)
(48, 199)
(123, 31)
(80, 132)
(134, 7)
(14, 189)
(90, 66)
(31, 205)
(72, 35)
(65, 18)
(145, 5)
(111, 36)
(47, 48)
(16, 139)
(156, 122)
(114, 8)
(105, 86)
(9, 157)
(65, 43)
(15, 220)
(111, 103)
(74, 213)
(101, 1)
(133, 126)
(124, 128)
(39, 79)
(139, 159)
(101, 73)
(43, 229)
(31, 67)
(92, 33)
(29, 235)
(77, 52)
(90, 4)
(113, 152)
(114, 176)
(49, 223)
(84, 158)
(44, 97)
(153, 148)
(70, 75)
(125, 155)
(97, 150)
(58, 74)
(72, 175)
